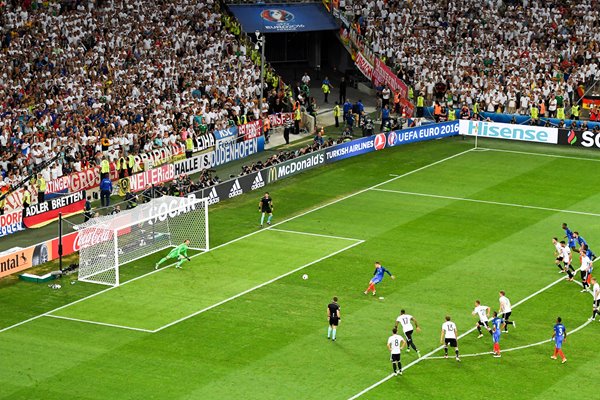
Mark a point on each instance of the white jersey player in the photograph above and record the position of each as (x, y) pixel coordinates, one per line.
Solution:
(406, 321)
(596, 294)
(449, 337)
(506, 311)
(483, 312)
(395, 344)
(566, 259)
(585, 269)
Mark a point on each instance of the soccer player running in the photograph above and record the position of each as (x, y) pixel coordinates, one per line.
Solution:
(484, 314)
(265, 206)
(449, 337)
(569, 236)
(333, 316)
(378, 277)
(179, 252)
(497, 323)
(596, 294)
(506, 311)
(566, 259)
(559, 336)
(395, 344)
(406, 321)
(558, 254)
(585, 269)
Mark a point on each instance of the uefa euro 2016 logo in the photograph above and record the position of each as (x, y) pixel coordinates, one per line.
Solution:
(277, 16)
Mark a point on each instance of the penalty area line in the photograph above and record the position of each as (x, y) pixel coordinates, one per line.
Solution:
(428, 355)
(255, 287)
(316, 234)
(99, 323)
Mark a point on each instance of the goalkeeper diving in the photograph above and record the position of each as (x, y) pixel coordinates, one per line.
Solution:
(179, 252)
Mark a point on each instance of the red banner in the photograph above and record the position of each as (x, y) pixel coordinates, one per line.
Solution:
(383, 75)
(155, 176)
(280, 119)
(250, 130)
(364, 66)
(38, 215)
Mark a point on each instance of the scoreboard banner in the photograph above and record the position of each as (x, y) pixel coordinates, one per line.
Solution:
(271, 18)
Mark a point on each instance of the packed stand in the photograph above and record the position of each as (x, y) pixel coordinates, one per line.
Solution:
(82, 80)
(503, 56)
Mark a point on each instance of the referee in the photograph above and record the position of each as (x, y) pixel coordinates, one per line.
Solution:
(333, 315)
(265, 206)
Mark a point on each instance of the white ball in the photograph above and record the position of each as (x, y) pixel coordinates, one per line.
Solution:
(305, 276)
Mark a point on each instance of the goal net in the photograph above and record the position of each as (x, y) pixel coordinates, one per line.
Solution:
(108, 242)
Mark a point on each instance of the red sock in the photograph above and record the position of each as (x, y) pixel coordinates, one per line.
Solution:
(561, 354)
(555, 352)
(370, 287)
(497, 348)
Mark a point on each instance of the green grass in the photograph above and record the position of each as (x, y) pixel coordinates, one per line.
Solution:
(269, 343)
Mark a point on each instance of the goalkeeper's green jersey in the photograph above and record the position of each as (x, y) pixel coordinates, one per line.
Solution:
(179, 250)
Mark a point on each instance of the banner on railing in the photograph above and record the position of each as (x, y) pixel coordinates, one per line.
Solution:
(364, 66)
(38, 215)
(11, 222)
(250, 130)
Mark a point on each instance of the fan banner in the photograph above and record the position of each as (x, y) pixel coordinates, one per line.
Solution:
(38, 215)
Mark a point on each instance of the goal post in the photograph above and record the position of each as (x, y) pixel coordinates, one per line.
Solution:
(108, 242)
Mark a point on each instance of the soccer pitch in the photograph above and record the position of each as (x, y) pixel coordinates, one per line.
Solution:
(452, 223)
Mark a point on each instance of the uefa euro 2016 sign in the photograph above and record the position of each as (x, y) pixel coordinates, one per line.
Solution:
(497, 130)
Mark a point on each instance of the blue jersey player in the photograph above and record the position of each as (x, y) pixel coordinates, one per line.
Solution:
(569, 236)
(559, 336)
(378, 277)
(497, 323)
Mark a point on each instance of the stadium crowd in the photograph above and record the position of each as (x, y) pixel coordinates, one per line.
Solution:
(503, 55)
(85, 79)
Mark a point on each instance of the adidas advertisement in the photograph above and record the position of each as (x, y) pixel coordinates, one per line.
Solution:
(232, 188)
(236, 189)
(213, 197)
(579, 138)
(258, 182)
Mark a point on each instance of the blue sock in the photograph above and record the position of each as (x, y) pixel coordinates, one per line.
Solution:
(269, 219)
(328, 332)
(262, 218)
(333, 335)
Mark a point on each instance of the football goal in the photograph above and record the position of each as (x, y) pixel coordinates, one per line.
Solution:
(108, 242)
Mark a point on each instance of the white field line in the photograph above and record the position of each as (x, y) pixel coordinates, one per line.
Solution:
(316, 234)
(426, 356)
(496, 203)
(526, 346)
(256, 287)
(540, 154)
(241, 237)
(99, 323)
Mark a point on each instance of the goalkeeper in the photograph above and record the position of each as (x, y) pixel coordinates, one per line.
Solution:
(179, 252)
